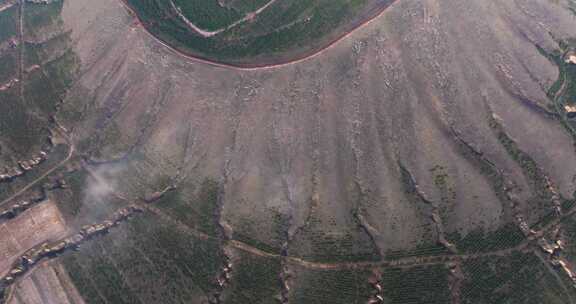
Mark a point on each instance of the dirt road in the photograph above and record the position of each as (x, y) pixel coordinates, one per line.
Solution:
(207, 34)
(7, 5)
(401, 262)
(71, 151)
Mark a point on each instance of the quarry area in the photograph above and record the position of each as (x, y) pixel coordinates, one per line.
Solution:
(290, 152)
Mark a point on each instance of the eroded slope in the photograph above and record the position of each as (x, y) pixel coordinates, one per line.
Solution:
(417, 147)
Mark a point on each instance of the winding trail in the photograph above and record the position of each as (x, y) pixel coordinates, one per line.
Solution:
(370, 16)
(406, 262)
(6, 5)
(206, 34)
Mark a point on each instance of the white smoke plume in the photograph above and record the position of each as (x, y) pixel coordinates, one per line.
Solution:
(101, 190)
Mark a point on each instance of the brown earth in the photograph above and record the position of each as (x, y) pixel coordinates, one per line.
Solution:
(42, 223)
(322, 142)
(49, 283)
(332, 129)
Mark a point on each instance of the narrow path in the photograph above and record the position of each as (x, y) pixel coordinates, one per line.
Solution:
(6, 5)
(371, 16)
(71, 152)
(557, 98)
(207, 34)
(560, 91)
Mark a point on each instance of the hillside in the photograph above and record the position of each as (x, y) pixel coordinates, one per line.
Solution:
(426, 156)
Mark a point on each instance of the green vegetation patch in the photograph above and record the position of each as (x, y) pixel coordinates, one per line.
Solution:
(197, 208)
(254, 280)
(83, 281)
(423, 249)
(146, 261)
(567, 205)
(486, 168)
(248, 231)
(316, 286)
(40, 94)
(62, 71)
(445, 186)
(246, 6)
(70, 200)
(8, 67)
(54, 157)
(569, 236)
(541, 205)
(55, 66)
(24, 118)
(20, 130)
(38, 16)
(423, 284)
(430, 240)
(478, 240)
(208, 14)
(563, 91)
(283, 29)
(529, 167)
(572, 6)
(324, 241)
(520, 278)
(9, 23)
(100, 270)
